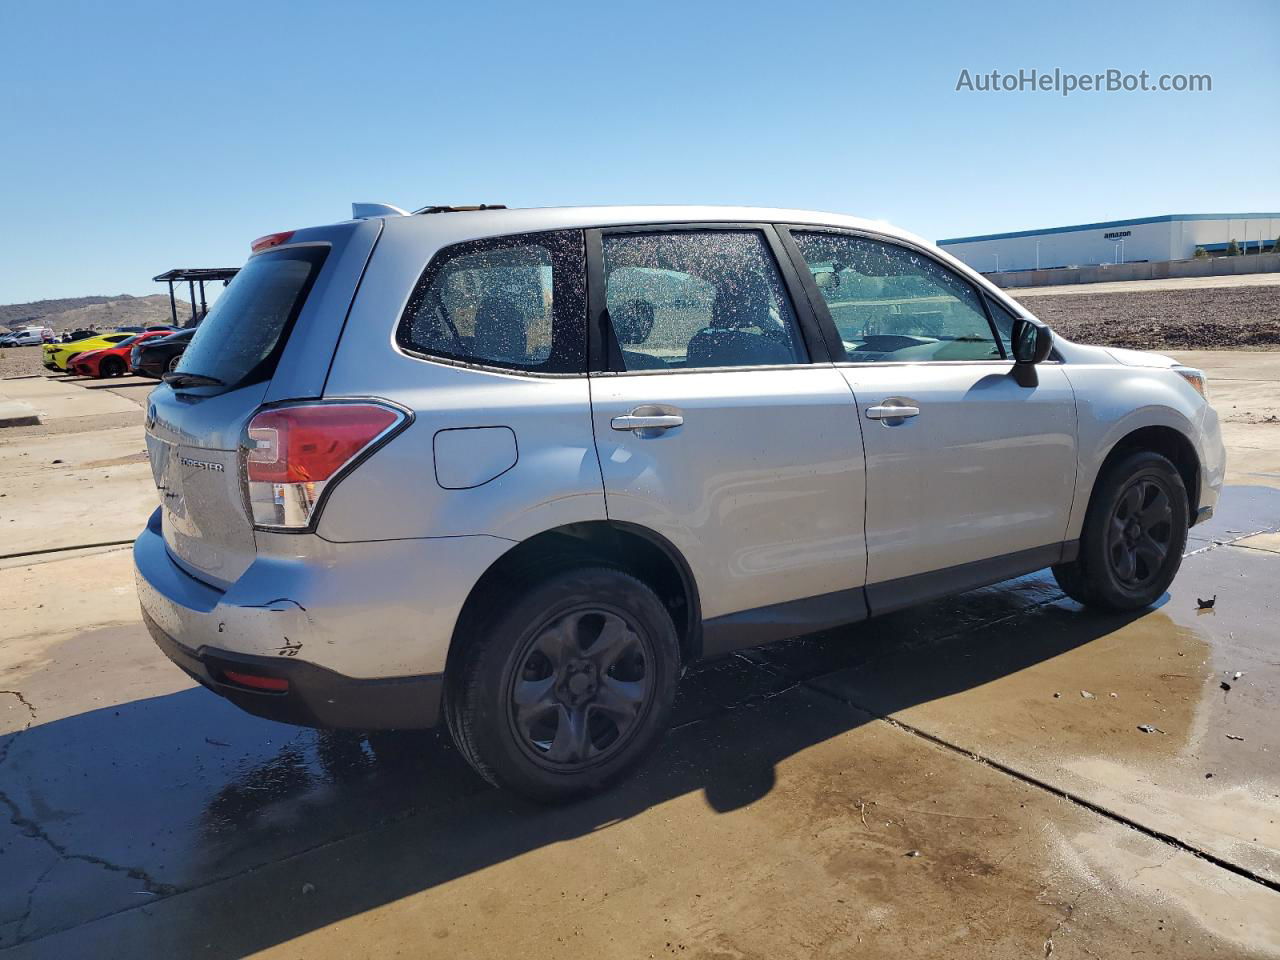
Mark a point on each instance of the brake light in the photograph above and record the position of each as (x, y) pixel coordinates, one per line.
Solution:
(292, 454)
(271, 240)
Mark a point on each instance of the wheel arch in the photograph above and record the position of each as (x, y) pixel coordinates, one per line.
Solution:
(638, 550)
(1170, 443)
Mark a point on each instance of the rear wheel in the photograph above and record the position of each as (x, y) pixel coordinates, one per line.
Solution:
(1134, 535)
(173, 362)
(569, 688)
(111, 367)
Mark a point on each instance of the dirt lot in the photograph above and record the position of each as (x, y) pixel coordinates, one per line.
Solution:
(967, 779)
(20, 362)
(1195, 318)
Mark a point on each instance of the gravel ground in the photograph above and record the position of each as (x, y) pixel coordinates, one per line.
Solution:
(20, 362)
(1203, 319)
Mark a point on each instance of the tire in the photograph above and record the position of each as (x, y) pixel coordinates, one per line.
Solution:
(564, 690)
(111, 367)
(1135, 532)
(173, 363)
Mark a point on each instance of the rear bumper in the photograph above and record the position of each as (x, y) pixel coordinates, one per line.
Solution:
(316, 697)
(360, 630)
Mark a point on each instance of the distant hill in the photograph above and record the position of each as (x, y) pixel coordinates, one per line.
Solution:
(101, 313)
(28, 314)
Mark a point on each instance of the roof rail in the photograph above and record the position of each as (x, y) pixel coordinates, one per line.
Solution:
(446, 208)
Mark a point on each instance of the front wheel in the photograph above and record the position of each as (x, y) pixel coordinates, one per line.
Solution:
(1135, 532)
(566, 691)
(111, 367)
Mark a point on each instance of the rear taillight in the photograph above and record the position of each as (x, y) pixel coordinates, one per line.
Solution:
(293, 454)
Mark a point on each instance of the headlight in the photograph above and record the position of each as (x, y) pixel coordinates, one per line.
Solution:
(1194, 377)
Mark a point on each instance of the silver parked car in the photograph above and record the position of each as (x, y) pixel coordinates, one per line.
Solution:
(514, 468)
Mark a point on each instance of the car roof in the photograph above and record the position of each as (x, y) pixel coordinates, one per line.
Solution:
(453, 226)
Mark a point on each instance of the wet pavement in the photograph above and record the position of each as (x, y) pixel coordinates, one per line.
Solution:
(996, 733)
(969, 778)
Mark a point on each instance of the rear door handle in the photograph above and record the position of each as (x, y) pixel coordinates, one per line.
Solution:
(656, 422)
(891, 412)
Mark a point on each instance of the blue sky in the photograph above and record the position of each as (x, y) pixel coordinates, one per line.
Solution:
(135, 137)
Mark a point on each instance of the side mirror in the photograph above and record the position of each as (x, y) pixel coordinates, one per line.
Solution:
(1031, 342)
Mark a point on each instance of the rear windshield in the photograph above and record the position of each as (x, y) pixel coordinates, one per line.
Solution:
(245, 332)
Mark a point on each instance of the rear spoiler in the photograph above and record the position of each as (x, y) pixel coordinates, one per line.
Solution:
(364, 211)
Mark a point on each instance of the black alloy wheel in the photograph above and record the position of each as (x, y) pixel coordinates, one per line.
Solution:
(564, 682)
(1140, 533)
(1134, 533)
(582, 684)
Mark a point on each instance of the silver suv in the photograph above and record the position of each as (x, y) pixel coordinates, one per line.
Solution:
(515, 468)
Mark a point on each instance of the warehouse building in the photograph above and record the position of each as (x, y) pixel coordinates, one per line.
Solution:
(1146, 239)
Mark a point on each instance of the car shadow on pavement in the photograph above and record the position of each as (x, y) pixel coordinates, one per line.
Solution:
(180, 791)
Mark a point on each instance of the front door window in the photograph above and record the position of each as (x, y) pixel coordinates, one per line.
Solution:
(892, 303)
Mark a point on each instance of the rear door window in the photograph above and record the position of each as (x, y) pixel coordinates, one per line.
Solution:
(241, 339)
(696, 299)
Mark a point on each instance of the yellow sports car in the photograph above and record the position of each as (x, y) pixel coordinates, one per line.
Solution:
(57, 355)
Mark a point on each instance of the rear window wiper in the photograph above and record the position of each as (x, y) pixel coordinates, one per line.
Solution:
(178, 379)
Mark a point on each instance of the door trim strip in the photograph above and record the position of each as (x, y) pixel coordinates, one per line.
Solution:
(777, 621)
(794, 618)
(890, 595)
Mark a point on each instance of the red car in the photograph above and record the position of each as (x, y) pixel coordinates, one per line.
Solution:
(113, 361)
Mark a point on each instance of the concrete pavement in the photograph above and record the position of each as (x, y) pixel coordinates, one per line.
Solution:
(910, 787)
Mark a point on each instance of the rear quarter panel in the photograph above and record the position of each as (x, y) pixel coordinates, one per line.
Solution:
(304, 364)
(398, 492)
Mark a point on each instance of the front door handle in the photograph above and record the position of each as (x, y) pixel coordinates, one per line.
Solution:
(889, 411)
(656, 422)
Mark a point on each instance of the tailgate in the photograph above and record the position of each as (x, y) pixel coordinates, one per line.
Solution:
(269, 336)
(202, 507)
